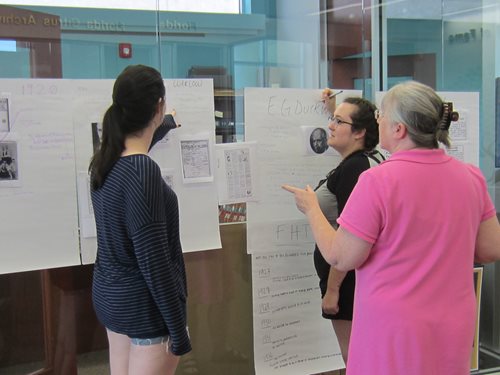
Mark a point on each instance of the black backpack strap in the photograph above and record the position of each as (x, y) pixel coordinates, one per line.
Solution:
(375, 155)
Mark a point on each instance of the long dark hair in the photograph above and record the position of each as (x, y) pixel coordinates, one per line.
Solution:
(364, 118)
(136, 95)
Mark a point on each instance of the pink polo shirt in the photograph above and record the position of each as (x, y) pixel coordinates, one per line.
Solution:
(414, 308)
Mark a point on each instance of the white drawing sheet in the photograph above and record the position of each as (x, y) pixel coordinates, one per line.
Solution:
(193, 100)
(290, 336)
(39, 218)
(236, 172)
(275, 119)
(198, 207)
(51, 133)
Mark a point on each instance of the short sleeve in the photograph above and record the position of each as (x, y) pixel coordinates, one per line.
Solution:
(488, 209)
(363, 213)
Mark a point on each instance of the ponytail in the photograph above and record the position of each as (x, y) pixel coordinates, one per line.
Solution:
(112, 146)
(137, 92)
(419, 107)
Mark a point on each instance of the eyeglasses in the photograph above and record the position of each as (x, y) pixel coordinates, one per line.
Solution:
(336, 121)
(378, 114)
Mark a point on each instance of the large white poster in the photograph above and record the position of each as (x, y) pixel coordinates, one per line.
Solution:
(193, 100)
(290, 336)
(275, 119)
(53, 127)
(39, 223)
(198, 206)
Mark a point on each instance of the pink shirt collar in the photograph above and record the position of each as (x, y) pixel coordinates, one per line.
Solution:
(424, 156)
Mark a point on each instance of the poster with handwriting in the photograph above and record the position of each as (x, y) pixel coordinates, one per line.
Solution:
(39, 227)
(54, 126)
(290, 336)
(275, 120)
(198, 205)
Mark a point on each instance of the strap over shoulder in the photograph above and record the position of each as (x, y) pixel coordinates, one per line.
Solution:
(374, 157)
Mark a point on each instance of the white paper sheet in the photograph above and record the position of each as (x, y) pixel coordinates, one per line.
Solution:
(290, 336)
(39, 216)
(236, 172)
(196, 159)
(198, 207)
(274, 118)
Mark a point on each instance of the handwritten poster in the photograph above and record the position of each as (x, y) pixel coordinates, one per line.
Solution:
(38, 198)
(290, 336)
(193, 100)
(198, 206)
(50, 128)
(275, 120)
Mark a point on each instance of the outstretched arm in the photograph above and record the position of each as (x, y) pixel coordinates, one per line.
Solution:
(340, 248)
(307, 203)
(162, 130)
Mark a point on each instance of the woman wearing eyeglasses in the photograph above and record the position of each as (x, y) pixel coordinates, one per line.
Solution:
(354, 135)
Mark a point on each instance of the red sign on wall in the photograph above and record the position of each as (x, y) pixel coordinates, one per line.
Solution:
(125, 50)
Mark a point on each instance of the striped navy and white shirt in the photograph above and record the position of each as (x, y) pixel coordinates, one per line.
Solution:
(139, 287)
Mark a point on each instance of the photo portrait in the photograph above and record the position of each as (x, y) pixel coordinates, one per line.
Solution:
(318, 140)
(9, 170)
(315, 140)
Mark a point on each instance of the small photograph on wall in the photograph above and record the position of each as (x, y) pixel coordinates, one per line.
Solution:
(4, 115)
(315, 140)
(9, 162)
(96, 135)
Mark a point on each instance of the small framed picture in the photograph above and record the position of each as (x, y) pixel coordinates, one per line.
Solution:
(315, 140)
(9, 161)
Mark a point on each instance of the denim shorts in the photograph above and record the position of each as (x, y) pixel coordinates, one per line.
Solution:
(153, 341)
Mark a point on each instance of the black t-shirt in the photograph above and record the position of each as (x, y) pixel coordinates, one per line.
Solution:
(339, 184)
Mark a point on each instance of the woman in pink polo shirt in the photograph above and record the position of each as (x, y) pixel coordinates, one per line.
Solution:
(412, 228)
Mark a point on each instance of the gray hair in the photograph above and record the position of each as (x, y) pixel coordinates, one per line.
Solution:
(419, 108)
